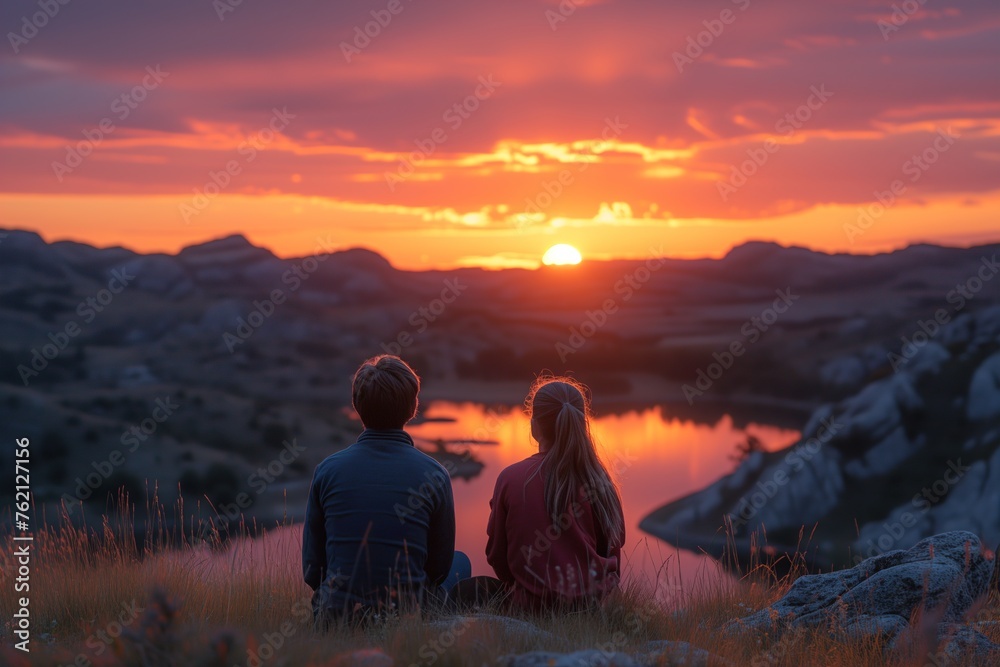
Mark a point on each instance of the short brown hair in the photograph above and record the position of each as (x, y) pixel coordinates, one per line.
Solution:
(384, 392)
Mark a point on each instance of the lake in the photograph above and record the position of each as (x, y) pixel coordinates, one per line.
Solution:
(656, 457)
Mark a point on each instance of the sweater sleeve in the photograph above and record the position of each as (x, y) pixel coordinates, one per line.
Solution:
(496, 531)
(616, 549)
(314, 539)
(441, 533)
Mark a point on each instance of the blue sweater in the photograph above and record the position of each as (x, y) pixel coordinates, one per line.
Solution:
(380, 516)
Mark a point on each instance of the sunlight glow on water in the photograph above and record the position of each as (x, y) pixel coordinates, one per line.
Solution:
(656, 458)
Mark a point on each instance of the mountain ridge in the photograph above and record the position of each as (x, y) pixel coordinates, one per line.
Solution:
(236, 242)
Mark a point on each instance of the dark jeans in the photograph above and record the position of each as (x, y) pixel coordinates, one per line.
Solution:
(461, 568)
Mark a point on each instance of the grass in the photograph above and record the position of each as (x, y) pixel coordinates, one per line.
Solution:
(99, 598)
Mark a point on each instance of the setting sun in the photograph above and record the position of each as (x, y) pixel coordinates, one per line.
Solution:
(561, 253)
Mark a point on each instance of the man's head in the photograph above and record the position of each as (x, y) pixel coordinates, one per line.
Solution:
(385, 392)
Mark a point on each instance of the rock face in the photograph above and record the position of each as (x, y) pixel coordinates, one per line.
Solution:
(911, 454)
(589, 658)
(362, 658)
(660, 652)
(935, 582)
(984, 392)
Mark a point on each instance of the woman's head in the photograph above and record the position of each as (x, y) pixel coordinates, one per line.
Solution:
(560, 422)
(549, 404)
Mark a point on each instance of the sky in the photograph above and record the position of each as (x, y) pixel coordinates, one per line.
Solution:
(450, 133)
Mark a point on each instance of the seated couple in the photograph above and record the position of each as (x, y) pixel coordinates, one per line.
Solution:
(380, 519)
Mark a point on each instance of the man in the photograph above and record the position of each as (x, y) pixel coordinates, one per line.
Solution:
(380, 519)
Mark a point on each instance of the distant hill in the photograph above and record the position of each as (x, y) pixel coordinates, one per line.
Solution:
(258, 348)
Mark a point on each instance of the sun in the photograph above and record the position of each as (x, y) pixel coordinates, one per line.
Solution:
(561, 253)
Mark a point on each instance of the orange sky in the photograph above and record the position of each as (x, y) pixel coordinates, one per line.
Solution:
(483, 134)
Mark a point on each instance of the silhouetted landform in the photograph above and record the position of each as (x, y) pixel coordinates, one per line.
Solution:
(461, 463)
(247, 357)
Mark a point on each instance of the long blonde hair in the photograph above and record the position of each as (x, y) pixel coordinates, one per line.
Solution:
(559, 409)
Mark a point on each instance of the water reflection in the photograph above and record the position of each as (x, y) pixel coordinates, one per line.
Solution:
(656, 458)
(455, 454)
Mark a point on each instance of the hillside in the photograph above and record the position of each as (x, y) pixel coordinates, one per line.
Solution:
(256, 351)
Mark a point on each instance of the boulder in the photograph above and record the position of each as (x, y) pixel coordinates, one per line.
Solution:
(958, 642)
(369, 657)
(940, 577)
(660, 652)
(503, 625)
(665, 652)
(987, 328)
(589, 658)
(878, 409)
(847, 372)
(984, 391)
(928, 360)
(958, 332)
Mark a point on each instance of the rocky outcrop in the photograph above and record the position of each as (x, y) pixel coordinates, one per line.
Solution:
(159, 274)
(921, 446)
(588, 658)
(984, 391)
(900, 595)
(661, 652)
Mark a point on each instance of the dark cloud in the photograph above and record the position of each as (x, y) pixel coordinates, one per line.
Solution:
(611, 59)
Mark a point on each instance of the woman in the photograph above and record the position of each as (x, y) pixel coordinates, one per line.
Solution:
(556, 526)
